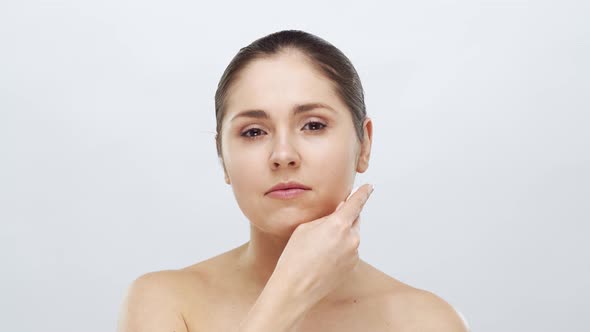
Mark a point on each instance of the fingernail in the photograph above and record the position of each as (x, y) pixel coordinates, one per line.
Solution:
(372, 188)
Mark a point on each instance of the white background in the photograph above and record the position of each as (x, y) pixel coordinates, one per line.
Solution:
(480, 158)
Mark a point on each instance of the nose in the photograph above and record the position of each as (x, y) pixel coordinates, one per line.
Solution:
(284, 155)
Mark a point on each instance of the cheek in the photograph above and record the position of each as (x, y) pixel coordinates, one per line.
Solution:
(243, 163)
(336, 154)
(334, 167)
(245, 166)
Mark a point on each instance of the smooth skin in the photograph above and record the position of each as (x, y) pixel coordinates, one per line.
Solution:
(300, 271)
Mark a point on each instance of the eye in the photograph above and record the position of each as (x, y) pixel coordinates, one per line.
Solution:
(314, 125)
(252, 133)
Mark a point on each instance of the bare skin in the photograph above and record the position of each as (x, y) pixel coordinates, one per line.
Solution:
(369, 300)
(300, 271)
(216, 295)
(219, 294)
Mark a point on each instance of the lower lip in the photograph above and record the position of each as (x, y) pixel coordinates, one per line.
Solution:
(287, 193)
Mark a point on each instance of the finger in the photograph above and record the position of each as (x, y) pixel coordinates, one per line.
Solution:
(351, 209)
(356, 224)
(355, 232)
(339, 206)
(352, 192)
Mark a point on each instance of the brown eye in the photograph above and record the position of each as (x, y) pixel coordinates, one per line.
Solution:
(314, 125)
(254, 132)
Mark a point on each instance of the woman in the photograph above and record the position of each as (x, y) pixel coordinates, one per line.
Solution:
(292, 133)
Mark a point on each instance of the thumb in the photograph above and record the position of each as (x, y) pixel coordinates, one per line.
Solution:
(339, 206)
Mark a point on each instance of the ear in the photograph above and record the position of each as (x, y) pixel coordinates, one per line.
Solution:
(225, 175)
(365, 153)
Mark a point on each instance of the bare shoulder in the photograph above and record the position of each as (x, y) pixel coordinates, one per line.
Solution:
(414, 309)
(154, 301)
(150, 305)
(173, 300)
(406, 308)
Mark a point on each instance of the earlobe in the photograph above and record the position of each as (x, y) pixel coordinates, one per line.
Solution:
(226, 177)
(365, 153)
(227, 180)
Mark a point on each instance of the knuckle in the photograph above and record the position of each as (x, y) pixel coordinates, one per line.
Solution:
(358, 209)
(301, 227)
(360, 200)
(340, 223)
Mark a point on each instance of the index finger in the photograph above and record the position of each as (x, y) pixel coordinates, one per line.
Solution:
(352, 207)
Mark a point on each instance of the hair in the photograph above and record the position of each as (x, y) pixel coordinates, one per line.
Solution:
(323, 56)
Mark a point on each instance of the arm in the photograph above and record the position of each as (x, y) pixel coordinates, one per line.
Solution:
(309, 268)
(149, 305)
(277, 309)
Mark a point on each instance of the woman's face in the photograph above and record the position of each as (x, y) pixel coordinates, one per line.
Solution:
(267, 140)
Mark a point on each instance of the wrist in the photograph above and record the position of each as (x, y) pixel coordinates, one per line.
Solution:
(289, 304)
(278, 308)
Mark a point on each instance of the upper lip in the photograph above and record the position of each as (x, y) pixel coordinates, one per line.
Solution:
(287, 185)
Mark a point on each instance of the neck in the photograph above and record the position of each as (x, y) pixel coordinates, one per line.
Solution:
(261, 254)
(258, 259)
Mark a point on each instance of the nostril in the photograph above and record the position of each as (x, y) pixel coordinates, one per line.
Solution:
(288, 164)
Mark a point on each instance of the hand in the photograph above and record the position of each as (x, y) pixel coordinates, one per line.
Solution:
(321, 253)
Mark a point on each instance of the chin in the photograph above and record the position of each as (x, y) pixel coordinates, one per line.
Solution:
(286, 220)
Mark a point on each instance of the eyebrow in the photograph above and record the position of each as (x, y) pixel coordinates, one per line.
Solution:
(301, 108)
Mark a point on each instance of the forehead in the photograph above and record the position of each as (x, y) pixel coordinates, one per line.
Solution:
(278, 82)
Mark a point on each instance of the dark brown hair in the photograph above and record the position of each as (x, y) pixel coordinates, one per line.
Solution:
(324, 56)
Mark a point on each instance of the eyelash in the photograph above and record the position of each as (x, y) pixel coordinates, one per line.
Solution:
(245, 133)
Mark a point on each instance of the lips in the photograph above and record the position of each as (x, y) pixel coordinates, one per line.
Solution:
(285, 186)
